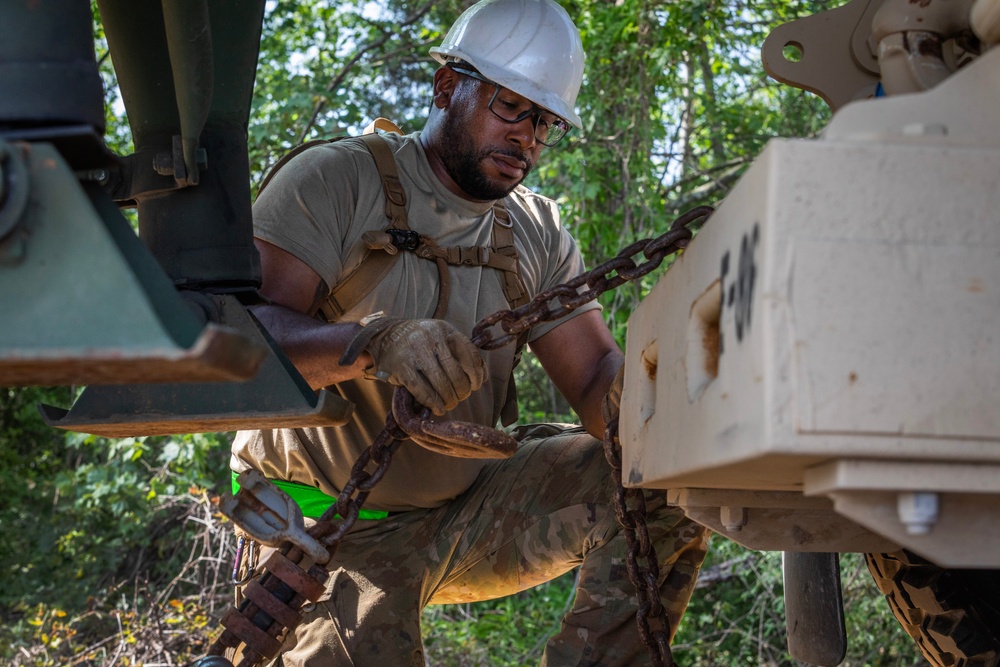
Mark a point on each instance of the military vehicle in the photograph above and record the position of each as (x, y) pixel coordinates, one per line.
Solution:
(818, 373)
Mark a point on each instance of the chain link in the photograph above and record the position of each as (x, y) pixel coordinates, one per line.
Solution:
(547, 306)
(359, 484)
(650, 616)
(569, 296)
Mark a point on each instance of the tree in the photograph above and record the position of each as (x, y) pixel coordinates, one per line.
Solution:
(675, 105)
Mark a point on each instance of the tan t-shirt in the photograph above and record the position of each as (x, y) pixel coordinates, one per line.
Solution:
(317, 207)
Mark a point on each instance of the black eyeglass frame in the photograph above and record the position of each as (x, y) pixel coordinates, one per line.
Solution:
(535, 110)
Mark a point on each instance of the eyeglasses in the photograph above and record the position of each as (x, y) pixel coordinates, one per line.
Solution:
(510, 107)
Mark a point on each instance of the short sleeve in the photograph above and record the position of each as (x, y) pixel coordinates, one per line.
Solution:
(309, 205)
(550, 255)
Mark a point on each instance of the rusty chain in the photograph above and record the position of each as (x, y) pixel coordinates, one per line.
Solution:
(643, 577)
(597, 281)
(409, 420)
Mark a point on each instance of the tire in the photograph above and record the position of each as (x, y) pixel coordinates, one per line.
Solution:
(952, 615)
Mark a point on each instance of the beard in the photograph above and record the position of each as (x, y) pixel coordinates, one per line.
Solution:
(463, 162)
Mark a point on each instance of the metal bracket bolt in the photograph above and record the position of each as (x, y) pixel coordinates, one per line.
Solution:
(918, 511)
(733, 518)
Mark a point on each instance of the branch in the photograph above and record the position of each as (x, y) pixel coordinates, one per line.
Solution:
(338, 80)
(721, 572)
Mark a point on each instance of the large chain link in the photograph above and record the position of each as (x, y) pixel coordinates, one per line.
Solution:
(554, 303)
(409, 420)
(643, 576)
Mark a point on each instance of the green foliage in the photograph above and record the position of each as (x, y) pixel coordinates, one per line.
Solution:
(171, 631)
(510, 632)
(538, 399)
(105, 541)
(118, 134)
(327, 69)
(675, 105)
(81, 512)
(737, 617)
(83, 528)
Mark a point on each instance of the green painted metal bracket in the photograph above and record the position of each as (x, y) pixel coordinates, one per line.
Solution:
(84, 302)
(277, 397)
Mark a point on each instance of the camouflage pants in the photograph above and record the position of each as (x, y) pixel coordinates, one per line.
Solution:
(525, 521)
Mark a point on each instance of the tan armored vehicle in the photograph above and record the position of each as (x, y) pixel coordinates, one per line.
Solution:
(820, 371)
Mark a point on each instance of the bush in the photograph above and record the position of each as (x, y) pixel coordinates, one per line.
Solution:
(104, 537)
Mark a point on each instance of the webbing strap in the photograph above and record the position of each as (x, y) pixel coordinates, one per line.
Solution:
(516, 293)
(501, 255)
(505, 251)
(374, 266)
(395, 196)
(312, 501)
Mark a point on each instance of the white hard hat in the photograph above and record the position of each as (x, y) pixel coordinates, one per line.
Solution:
(528, 46)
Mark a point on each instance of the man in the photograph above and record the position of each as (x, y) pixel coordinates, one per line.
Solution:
(457, 530)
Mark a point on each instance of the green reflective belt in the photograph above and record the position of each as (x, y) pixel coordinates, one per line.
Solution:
(313, 501)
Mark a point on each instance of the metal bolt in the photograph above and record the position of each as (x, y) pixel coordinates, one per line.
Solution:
(733, 518)
(918, 511)
(163, 164)
(99, 176)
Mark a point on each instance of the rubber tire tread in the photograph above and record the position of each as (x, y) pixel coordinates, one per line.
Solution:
(952, 615)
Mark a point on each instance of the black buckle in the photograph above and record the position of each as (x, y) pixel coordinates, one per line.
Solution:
(404, 239)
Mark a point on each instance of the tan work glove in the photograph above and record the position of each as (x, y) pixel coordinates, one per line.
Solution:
(431, 358)
(612, 402)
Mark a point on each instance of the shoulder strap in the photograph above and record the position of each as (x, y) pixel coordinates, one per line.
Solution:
(374, 265)
(382, 125)
(506, 258)
(395, 196)
(517, 295)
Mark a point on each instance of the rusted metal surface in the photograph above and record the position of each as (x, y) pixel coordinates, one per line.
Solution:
(220, 354)
(587, 286)
(269, 515)
(410, 421)
(640, 561)
(251, 629)
(359, 485)
(274, 607)
(293, 575)
(452, 438)
(259, 640)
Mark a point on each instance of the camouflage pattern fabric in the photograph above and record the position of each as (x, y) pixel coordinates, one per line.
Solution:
(526, 520)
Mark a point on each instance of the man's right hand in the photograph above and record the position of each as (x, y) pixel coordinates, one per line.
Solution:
(437, 364)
